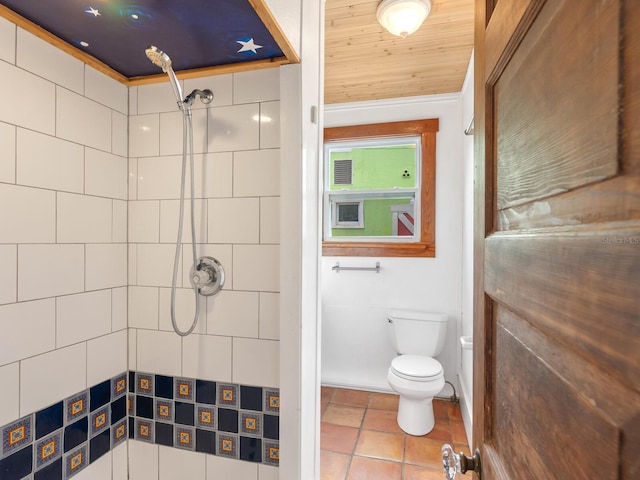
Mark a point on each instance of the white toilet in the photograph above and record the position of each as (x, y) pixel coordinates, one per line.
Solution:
(414, 373)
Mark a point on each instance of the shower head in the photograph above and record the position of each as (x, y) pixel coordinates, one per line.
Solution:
(158, 57)
(162, 60)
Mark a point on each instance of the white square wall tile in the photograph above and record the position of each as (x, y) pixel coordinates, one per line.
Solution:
(169, 218)
(8, 151)
(143, 307)
(10, 393)
(207, 357)
(61, 265)
(159, 352)
(144, 221)
(133, 348)
(234, 220)
(185, 310)
(270, 125)
(233, 313)
(256, 173)
(118, 309)
(159, 178)
(143, 460)
(234, 128)
(256, 85)
(256, 267)
(171, 132)
(267, 472)
(176, 463)
(7, 40)
(106, 90)
(133, 100)
(119, 226)
(214, 173)
(84, 219)
(133, 179)
(82, 120)
(36, 111)
(120, 462)
(49, 162)
(106, 266)
(157, 97)
(269, 315)
(270, 220)
(105, 174)
(47, 378)
(220, 467)
(47, 61)
(106, 357)
(256, 362)
(27, 329)
(82, 316)
(119, 134)
(8, 273)
(144, 135)
(155, 265)
(32, 218)
(220, 85)
(132, 260)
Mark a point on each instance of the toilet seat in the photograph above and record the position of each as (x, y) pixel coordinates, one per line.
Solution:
(417, 368)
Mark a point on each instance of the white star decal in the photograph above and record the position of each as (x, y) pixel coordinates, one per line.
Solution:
(248, 46)
(92, 11)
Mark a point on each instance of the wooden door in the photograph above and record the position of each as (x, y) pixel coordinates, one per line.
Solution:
(557, 243)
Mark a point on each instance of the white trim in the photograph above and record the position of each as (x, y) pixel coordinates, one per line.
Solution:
(391, 102)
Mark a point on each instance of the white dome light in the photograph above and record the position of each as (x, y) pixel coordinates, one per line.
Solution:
(403, 17)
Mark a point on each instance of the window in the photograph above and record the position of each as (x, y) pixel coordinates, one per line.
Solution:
(379, 195)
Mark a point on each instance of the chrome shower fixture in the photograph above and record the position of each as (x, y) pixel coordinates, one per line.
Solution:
(162, 60)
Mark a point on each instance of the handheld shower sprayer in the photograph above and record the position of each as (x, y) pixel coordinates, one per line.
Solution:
(162, 60)
(207, 273)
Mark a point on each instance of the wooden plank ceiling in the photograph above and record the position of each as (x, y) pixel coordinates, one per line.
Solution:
(365, 62)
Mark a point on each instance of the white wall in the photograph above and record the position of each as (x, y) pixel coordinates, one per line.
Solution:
(466, 356)
(63, 230)
(356, 351)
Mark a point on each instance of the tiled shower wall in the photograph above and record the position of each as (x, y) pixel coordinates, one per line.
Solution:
(65, 249)
(63, 229)
(236, 140)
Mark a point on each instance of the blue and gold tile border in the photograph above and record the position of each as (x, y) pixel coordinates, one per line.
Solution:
(217, 418)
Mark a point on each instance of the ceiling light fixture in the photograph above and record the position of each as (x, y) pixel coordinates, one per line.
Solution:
(403, 17)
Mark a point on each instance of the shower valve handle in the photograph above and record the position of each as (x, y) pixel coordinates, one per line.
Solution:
(201, 277)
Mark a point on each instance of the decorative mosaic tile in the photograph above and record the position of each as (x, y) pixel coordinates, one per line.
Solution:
(48, 420)
(270, 452)
(251, 449)
(184, 389)
(271, 400)
(251, 423)
(48, 449)
(100, 419)
(75, 461)
(76, 407)
(99, 395)
(228, 395)
(119, 432)
(17, 465)
(251, 398)
(144, 384)
(227, 445)
(164, 410)
(16, 435)
(144, 430)
(185, 437)
(131, 405)
(205, 416)
(118, 386)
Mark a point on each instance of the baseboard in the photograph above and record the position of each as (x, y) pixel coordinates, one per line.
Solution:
(466, 410)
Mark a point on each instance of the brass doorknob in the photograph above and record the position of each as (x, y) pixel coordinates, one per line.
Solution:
(454, 463)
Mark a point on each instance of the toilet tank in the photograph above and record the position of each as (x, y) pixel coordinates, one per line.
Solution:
(417, 333)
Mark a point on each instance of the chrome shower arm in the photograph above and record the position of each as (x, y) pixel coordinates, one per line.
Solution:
(206, 96)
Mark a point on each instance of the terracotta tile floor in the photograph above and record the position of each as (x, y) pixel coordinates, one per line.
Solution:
(360, 438)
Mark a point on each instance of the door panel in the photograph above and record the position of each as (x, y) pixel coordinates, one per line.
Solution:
(557, 239)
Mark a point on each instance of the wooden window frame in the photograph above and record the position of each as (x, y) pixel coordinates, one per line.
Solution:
(426, 246)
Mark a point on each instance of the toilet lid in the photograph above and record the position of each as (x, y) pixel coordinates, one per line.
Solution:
(416, 366)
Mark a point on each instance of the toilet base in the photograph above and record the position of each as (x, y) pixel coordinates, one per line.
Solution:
(415, 416)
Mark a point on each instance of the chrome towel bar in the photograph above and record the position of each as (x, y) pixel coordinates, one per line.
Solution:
(336, 268)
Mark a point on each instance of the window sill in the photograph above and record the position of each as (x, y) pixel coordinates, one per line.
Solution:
(381, 249)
